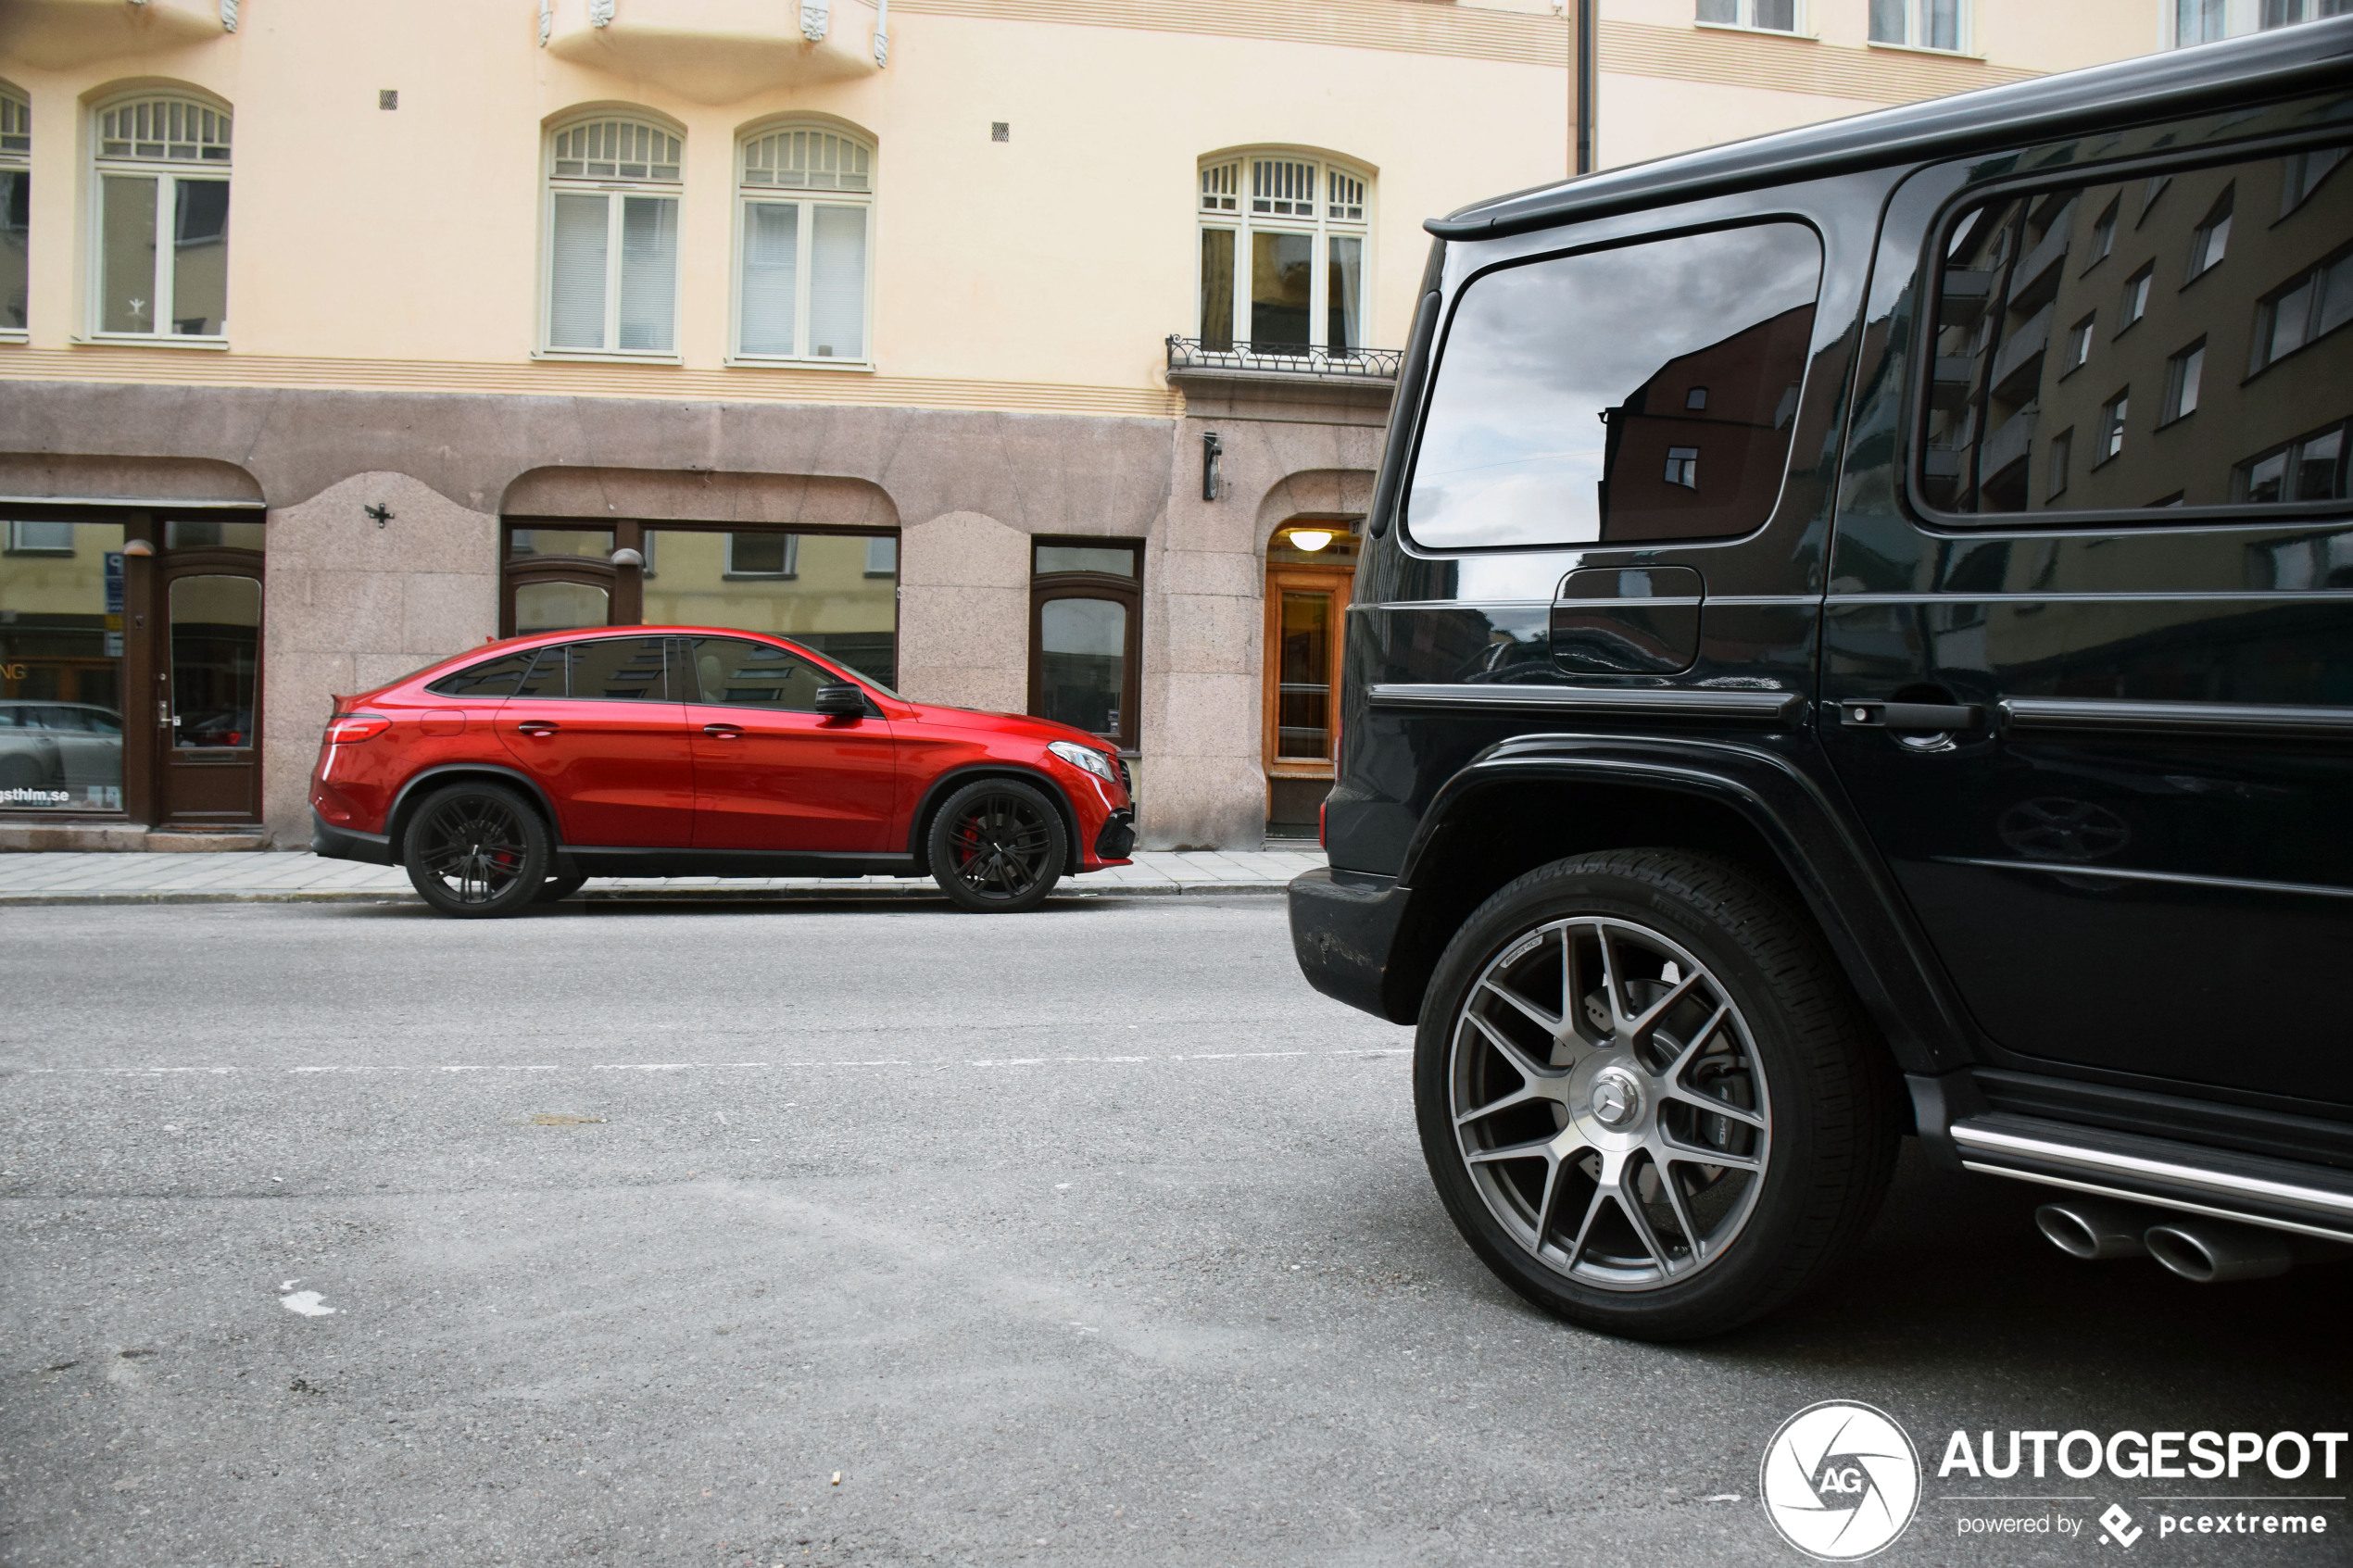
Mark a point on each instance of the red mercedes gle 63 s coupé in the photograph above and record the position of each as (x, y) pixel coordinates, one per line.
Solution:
(510, 774)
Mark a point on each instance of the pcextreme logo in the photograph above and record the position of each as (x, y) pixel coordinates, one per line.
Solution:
(1840, 1481)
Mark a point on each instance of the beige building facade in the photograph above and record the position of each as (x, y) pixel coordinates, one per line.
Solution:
(1023, 356)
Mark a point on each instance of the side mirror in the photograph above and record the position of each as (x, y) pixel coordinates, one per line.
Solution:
(842, 701)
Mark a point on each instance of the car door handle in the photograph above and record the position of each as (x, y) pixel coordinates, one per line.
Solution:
(536, 727)
(724, 732)
(1926, 717)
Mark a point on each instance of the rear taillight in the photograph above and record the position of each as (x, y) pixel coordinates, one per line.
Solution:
(350, 729)
(1322, 807)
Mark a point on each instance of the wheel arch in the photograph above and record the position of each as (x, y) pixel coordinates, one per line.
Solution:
(413, 794)
(948, 782)
(1521, 808)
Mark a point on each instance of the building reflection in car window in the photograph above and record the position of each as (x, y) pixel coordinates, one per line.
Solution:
(496, 677)
(2246, 331)
(1566, 383)
(736, 672)
(620, 669)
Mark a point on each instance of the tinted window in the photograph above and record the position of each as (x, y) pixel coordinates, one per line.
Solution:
(620, 669)
(548, 673)
(496, 677)
(738, 673)
(1645, 392)
(2145, 343)
(613, 668)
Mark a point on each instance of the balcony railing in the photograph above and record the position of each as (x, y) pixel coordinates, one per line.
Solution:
(1285, 360)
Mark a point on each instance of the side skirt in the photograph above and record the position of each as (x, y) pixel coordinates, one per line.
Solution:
(596, 860)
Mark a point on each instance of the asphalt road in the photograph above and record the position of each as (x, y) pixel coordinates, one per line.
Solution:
(824, 1234)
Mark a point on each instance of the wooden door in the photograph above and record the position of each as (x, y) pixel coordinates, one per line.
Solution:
(1306, 607)
(208, 612)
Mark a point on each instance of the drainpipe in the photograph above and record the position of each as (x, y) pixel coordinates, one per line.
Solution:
(1587, 84)
(882, 32)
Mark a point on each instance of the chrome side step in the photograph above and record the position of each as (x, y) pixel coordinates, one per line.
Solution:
(2279, 1194)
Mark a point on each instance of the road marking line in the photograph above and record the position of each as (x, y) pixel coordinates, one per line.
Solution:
(722, 1066)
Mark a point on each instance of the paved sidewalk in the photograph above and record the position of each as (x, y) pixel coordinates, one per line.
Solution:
(135, 878)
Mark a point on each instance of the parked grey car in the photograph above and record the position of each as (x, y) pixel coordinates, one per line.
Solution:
(68, 748)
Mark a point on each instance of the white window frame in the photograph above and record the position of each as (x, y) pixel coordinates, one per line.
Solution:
(166, 170)
(1964, 32)
(24, 540)
(2239, 17)
(614, 188)
(16, 157)
(791, 568)
(1242, 222)
(807, 198)
(1745, 10)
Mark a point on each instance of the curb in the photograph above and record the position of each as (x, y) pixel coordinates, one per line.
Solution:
(924, 893)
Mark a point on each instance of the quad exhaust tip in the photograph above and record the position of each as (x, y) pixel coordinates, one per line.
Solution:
(2091, 1229)
(2203, 1251)
(2210, 1253)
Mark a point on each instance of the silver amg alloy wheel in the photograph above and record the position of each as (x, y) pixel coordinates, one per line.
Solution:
(1609, 1103)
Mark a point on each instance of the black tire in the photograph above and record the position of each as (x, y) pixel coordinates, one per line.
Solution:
(478, 851)
(556, 890)
(997, 846)
(1665, 1245)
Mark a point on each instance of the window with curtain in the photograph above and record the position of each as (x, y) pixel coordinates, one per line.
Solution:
(805, 196)
(2203, 21)
(1766, 16)
(612, 238)
(162, 218)
(1921, 24)
(1283, 239)
(16, 208)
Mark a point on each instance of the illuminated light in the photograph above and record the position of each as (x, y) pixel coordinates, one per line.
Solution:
(1310, 539)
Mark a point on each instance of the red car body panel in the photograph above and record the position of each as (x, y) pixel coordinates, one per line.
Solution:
(618, 773)
(665, 787)
(793, 781)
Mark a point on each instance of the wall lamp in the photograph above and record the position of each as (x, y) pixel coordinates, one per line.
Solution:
(138, 548)
(1210, 450)
(625, 557)
(1311, 539)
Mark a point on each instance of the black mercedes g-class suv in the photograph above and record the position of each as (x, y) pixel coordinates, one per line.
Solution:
(1855, 636)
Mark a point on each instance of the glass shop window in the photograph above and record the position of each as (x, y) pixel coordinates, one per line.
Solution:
(835, 593)
(61, 667)
(1086, 634)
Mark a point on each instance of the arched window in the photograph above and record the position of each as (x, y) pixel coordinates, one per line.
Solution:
(612, 237)
(1282, 252)
(805, 195)
(16, 208)
(162, 215)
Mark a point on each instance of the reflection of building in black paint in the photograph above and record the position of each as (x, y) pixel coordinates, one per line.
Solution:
(2157, 341)
(1692, 450)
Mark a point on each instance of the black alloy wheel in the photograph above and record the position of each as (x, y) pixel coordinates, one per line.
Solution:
(1648, 1097)
(998, 846)
(477, 851)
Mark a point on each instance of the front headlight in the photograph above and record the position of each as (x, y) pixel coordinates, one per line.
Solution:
(1085, 756)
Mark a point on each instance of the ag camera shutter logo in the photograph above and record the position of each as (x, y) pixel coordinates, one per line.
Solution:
(1841, 1481)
